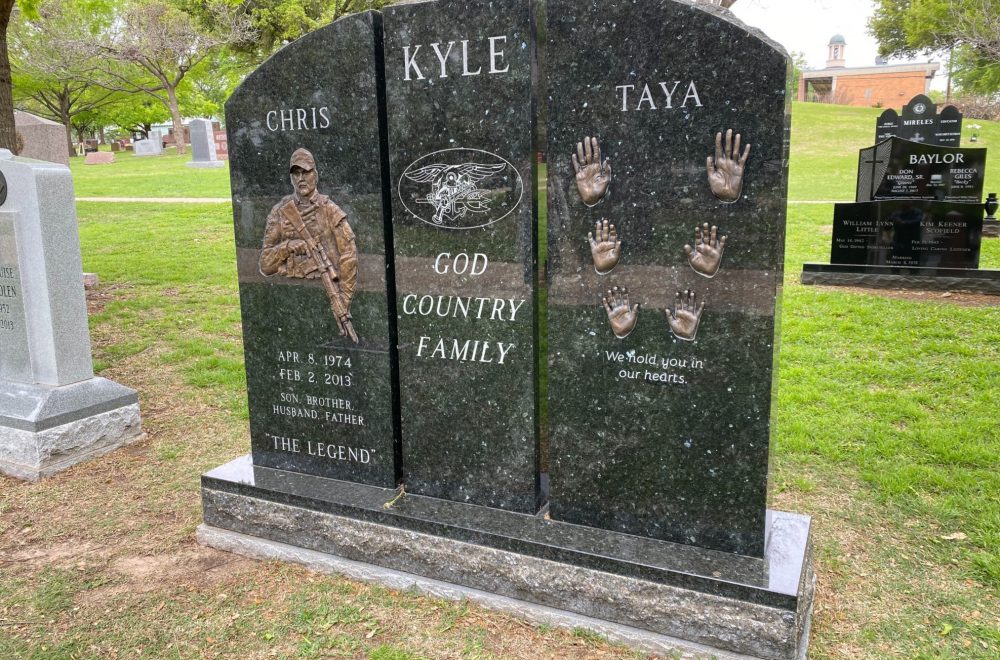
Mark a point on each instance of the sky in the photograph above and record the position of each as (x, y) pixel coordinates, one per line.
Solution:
(807, 25)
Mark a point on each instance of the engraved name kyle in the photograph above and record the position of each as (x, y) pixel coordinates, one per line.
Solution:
(666, 93)
(436, 60)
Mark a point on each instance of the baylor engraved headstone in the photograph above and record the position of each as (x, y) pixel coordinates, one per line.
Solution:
(460, 144)
(918, 219)
(306, 172)
(54, 412)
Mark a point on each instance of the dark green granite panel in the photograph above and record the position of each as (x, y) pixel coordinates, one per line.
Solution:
(458, 88)
(319, 402)
(652, 434)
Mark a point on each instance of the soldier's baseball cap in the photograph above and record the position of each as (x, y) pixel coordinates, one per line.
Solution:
(302, 159)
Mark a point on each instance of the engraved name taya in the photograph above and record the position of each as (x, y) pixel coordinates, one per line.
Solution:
(439, 59)
(661, 96)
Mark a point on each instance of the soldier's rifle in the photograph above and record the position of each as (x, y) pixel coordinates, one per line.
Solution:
(330, 275)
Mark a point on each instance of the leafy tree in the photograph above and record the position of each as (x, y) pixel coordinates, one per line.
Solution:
(48, 80)
(277, 22)
(8, 136)
(971, 28)
(153, 47)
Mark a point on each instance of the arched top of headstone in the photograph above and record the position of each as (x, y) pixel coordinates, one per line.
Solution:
(307, 51)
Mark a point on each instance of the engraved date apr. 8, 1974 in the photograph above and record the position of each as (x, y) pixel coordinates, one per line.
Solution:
(725, 171)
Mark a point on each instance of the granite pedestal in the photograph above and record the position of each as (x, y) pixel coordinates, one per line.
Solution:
(657, 595)
(53, 411)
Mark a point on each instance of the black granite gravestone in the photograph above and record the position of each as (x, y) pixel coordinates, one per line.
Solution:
(311, 257)
(920, 122)
(661, 355)
(460, 143)
(900, 169)
(887, 126)
(907, 233)
(918, 221)
(658, 437)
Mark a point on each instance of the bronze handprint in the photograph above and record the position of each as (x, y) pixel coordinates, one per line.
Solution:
(592, 176)
(622, 316)
(725, 171)
(605, 247)
(686, 316)
(706, 255)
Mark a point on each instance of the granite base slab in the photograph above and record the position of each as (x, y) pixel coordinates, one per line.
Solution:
(722, 602)
(903, 277)
(991, 228)
(206, 164)
(44, 430)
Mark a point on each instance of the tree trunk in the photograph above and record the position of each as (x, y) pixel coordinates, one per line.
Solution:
(67, 121)
(175, 115)
(8, 135)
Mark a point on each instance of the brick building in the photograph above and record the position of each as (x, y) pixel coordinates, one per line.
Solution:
(881, 85)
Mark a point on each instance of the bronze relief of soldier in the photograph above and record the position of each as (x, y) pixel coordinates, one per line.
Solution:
(308, 237)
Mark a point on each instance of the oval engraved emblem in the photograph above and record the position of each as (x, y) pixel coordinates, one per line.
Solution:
(919, 108)
(461, 188)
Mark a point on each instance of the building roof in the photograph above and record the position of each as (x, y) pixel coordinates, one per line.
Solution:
(835, 72)
(838, 39)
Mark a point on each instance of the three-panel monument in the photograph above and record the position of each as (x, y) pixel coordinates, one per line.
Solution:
(583, 441)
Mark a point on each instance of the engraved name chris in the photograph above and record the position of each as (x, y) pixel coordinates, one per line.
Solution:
(504, 310)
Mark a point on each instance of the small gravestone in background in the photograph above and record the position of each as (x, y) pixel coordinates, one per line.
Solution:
(99, 158)
(203, 145)
(658, 526)
(43, 139)
(920, 122)
(151, 146)
(53, 411)
(918, 220)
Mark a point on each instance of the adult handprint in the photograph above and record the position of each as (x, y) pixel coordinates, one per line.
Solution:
(686, 317)
(706, 255)
(592, 176)
(604, 247)
(622, 316)
(725, 171)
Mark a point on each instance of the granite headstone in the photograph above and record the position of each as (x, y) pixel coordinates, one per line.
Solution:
(54, 412)
(203, 145)
(920, 122)
(311, 256)
(461, 152)
(665, 270)
(900, 169)
(148, 147)
(906, 232)
(43, 139)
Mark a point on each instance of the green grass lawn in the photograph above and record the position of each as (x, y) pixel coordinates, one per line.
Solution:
(886, 434)
(149, 176)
